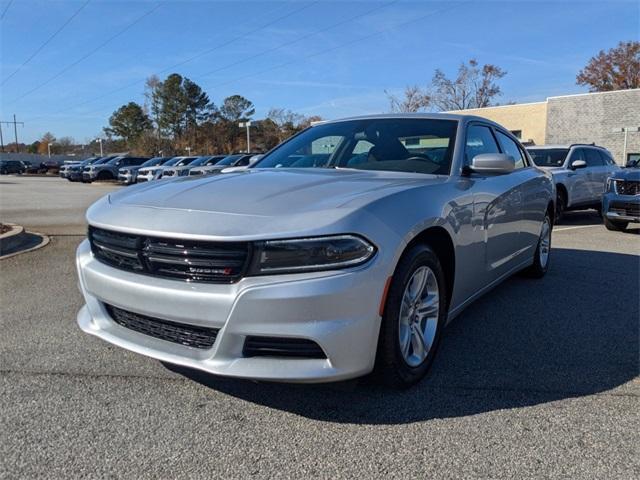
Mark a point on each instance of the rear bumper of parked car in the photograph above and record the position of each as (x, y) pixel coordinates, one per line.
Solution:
(625, 208)
(338, 311)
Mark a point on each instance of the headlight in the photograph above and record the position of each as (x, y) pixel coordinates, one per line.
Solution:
(611, 185)
(310, 254)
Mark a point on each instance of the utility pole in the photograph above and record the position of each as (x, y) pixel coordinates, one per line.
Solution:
(1, 140)
(15, 131)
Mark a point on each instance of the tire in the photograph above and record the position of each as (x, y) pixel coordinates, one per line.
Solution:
(561, 206)
(614, 226)
(542, 255)
(393, 367)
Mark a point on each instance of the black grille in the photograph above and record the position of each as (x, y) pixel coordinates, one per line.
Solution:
(628, 187)
(188, 335)
(192, 261)
(281, 347)
(626, 208)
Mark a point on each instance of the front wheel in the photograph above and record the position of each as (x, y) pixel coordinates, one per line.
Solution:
(542, 254)
(615, 226)
(414, 316)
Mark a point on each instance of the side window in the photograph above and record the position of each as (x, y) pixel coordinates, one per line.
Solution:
(593, 158)
(479, 140)
(511, 148)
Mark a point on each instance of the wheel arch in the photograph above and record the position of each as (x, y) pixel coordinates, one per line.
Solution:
(562, 190)
(440, 241)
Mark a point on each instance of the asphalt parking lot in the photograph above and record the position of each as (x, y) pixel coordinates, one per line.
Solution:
(536, 379)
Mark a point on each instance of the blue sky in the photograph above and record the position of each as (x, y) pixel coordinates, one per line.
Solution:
(331, 58)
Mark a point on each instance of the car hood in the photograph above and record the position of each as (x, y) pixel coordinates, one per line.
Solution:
(627, 174)
(253, 202)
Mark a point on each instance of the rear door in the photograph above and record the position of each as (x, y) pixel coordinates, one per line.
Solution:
(597, 172)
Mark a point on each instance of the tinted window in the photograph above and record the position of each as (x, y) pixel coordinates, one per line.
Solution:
(511, 148)
(548, 157)
(479, 140)
(403, 145)
(593, 158)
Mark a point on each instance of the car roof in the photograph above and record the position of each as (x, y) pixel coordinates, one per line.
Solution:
(409, 116)
(559, 146)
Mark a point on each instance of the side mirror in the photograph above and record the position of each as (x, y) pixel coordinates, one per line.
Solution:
(578, 164)
(493, 163)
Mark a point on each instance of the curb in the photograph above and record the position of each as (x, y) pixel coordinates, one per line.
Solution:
(18, 236)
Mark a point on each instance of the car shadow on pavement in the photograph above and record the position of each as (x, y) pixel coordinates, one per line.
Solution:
(580, 218)
(528, 342)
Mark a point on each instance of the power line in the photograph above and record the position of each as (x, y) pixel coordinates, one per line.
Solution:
(5, 9)
(182, 62)
(46, 41)
(299, 39)
(84, 57)
(337, 47)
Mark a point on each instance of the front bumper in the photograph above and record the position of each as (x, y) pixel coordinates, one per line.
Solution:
(89, 176)
(126, 178)
(624, 208)
(337, 310)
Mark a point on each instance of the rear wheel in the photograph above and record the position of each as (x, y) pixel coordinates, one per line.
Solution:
(561, 206)
(542, 254)
(414, 315)
(615, 226)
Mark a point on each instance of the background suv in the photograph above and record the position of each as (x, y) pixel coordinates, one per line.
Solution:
(179, 168)
(11, 166)
(621, 201)
(579, 172)
(109, 170)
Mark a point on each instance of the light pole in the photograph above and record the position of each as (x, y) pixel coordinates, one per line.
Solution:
(625, 130)
(160, 153)
(49, 149)
(99, 140)
(247, 124)
(188, 149)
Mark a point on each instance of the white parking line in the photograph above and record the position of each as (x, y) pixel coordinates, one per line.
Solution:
(573, 228)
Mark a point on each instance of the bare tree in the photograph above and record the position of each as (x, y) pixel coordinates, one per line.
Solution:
(474, 87)
(615, 69)
(413, 99)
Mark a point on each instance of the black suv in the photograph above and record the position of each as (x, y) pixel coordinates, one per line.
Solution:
(11, 166)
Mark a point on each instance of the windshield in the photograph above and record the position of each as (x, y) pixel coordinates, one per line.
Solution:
(185, 161)
(152, 162)
(201, 161)
(171, 162)
(115, 160)
(391, 144)
(548, 157)
(228, 160)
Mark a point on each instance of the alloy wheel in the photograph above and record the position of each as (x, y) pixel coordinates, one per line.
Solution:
(545, 242)
(418, 319)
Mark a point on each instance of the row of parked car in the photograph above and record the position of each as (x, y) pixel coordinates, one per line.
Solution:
(128, 170)
(586, 176)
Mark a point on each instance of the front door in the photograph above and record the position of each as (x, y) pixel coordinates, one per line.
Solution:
(498, 202)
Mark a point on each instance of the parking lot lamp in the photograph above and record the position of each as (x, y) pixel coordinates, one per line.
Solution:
(247, 124)
(49, 148)
(99, 140)
(188, 149)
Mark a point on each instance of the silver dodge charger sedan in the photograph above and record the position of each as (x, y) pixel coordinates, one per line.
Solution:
(344, 251)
